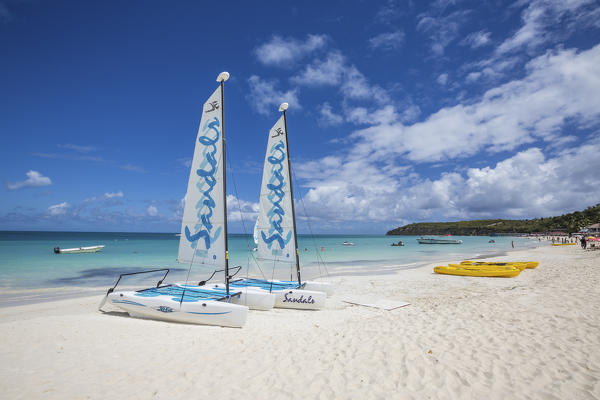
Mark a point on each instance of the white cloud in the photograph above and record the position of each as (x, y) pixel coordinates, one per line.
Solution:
(387, 41)
(265, 98)
(328, 117)
(477, 39)
(442, 79)
(112, 195)
(238, 210)
(558, 87)
(334, 70)
(58, 209)
(525, 185)
(547, 20)
(441, 29)
(34, 179)
(279, 51)
(367, 183)
(327, 72)
(360, 115)
(152, 211)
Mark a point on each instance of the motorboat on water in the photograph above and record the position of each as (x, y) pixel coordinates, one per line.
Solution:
(400, 243)
(347, 243)
(423, 240)
(77, 250)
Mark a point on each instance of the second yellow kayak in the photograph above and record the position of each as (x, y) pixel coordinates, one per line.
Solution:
(519, 264)
(464, 270)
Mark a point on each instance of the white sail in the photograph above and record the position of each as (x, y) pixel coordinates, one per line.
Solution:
(203, 238)
(275, 223)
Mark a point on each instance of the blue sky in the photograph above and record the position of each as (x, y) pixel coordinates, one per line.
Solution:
(400, 111)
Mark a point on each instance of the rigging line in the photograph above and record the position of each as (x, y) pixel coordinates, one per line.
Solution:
(319, 258)
(243, 225)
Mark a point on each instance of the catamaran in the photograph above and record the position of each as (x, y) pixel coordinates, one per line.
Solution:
(275, 230)
(203, 242)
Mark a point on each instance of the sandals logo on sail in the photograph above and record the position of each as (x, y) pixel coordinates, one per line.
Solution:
(207, 170)
(214, 105)
(276, 187)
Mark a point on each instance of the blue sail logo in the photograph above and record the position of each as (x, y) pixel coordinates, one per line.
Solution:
(207, 170)
(276, 187)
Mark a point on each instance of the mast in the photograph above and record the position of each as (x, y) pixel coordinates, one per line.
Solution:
(223, 76)
(283, 107)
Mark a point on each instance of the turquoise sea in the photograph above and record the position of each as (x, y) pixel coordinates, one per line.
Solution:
(30, 271)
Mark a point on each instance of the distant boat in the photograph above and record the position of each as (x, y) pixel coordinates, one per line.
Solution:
(400, 243)
(76, 250)
(348, 244)
(438, 241)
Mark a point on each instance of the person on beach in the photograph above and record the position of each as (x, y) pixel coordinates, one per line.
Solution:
(583, 242)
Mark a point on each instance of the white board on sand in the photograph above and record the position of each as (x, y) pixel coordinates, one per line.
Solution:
(383, 304)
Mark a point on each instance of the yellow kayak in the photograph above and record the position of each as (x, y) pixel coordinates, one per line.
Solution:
(564, 244)
(507, 272)
(519, 264)
(520, 267)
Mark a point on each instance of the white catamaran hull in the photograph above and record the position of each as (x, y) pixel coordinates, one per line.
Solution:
(165, 308)
(299, 299)
(253, 299)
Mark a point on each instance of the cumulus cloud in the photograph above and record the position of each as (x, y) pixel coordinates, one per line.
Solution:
(387, 41)
(559, 87)
(525, 185)
(328, 117)
(241, 210)
(373, 181)
(442, 79)
(279, 51)
(152, 211)
(334, 70)
(265, 97)
(34, 179)
(548, 20)
(323, 72)
(58, 209)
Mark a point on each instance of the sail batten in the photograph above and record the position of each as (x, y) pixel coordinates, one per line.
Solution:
(203, 231)
(275, 225)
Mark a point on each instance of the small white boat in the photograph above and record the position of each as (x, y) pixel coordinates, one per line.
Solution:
(438, 241)
(347, 244)
(76, 250)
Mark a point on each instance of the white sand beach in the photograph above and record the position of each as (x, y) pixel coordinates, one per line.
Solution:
(536, 336)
